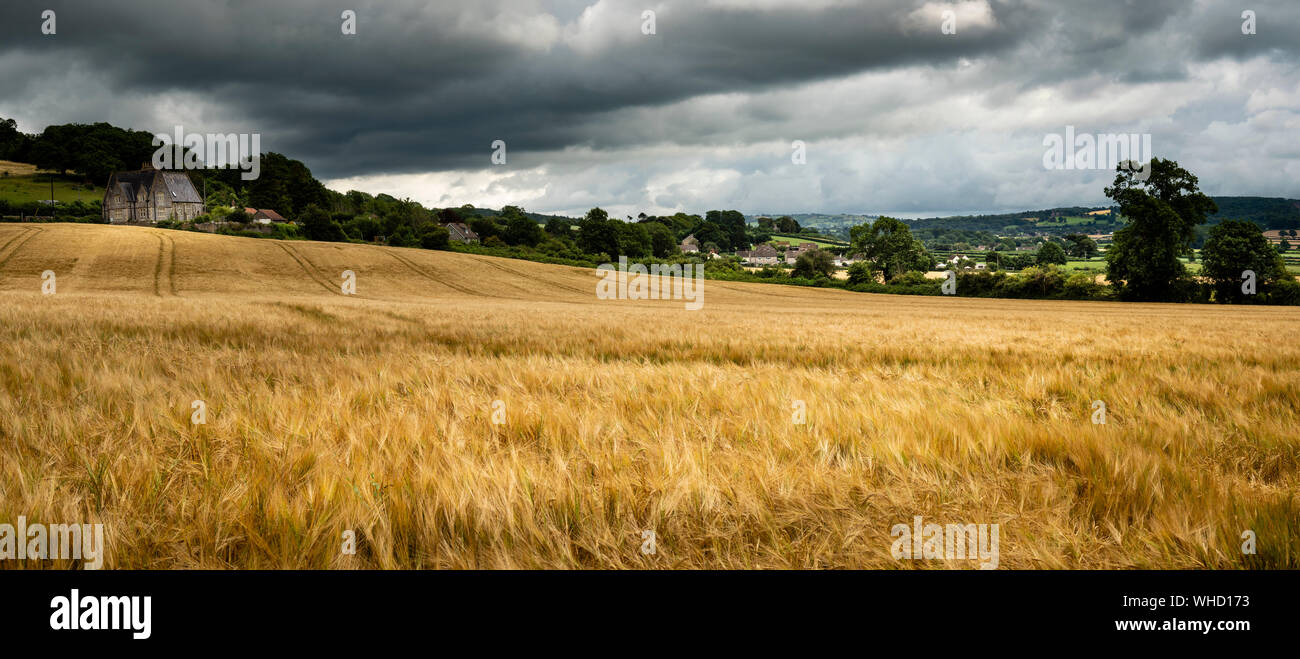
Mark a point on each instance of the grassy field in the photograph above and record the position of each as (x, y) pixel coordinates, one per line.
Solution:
(795, 241)
(375, 413)
(1094, 265)
(23, 185)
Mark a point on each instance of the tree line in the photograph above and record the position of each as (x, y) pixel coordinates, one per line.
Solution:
(1145, 262)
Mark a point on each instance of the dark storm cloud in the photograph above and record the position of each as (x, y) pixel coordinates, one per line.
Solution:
(427, 86)
(423, 87)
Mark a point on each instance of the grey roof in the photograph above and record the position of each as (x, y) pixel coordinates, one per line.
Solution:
(181, 187)
(461, 231)
(178, 184)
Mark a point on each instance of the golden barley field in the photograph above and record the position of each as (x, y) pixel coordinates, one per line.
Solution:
(375, 413)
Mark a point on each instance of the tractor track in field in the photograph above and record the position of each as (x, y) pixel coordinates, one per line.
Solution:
(504, 268)
(309, 269)
(16, 243)
(414, 267)
(164, 274)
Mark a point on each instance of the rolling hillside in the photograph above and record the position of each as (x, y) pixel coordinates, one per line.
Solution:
(21, 183)
(464, 411)
(94, 258)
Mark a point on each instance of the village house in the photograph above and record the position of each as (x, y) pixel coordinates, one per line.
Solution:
(148, 196)
(792, 255)
(264, 216)
(957, 261)
(461, 233)
(690, 245)
(761, 255)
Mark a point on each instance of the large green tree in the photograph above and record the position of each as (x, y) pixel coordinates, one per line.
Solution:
(1232, 248)
(732, 224)
(520, 229)
(710, 232)
(597, 234)
(12, 142)
(318, 225)
(1080, 245)
(633, 240)
(559, 227)
(814, 263)
(662, 242)
(889, 247)
(93, 151)
(1163, 212)
(1050, 252)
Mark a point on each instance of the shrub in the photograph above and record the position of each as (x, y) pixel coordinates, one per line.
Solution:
(980, 284)
(1187, 289)
(909, 278)
(814, 264)
(1284, 291)
(1083, 286)
(435, 237)
(1042, 281)
(861, 273)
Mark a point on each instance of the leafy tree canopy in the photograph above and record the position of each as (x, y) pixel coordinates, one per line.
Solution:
(889, 247)
(1233, 247)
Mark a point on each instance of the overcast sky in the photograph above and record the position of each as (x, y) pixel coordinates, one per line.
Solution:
(897, 117)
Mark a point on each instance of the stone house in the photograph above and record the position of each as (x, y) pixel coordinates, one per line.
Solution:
(148, 196)
(461, 233)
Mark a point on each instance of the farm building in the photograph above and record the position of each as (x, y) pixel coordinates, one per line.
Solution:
(148, 196)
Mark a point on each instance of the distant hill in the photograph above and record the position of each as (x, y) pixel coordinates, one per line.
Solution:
(823, 220)
(1268, 212)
